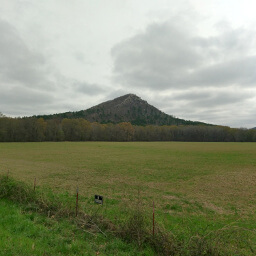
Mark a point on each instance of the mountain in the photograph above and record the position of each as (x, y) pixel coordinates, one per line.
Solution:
(127, 108)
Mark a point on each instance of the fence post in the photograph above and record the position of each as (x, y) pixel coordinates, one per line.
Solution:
(35, 184)
(153, 218)
(76, 201)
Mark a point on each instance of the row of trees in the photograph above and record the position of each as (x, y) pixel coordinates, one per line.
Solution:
(33, 129)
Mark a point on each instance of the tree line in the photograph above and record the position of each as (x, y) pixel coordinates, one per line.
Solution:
(38, 129)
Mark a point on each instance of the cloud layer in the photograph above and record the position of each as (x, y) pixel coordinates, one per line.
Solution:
(169, 58)
(18, 64)
(30, 84)
(187, 71)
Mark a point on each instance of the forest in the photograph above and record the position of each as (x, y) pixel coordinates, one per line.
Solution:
(38, 129)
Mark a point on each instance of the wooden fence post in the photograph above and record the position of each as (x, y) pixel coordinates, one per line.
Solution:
(35, 184)
(153, 218)
(76, 201)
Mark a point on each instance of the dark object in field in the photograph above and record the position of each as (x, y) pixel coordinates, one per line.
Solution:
(98, 199)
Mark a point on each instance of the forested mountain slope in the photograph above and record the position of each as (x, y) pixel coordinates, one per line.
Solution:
(127, 108)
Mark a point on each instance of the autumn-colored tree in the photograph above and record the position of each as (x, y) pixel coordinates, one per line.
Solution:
(125, 131)
(33, 129)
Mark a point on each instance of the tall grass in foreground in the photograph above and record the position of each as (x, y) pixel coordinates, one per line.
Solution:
(135, 229)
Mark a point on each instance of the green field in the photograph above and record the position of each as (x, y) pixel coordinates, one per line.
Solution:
(199, 189)
(28, 233)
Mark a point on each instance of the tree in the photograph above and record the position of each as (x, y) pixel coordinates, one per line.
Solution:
(54, 130)
(2, 115)
(125, 131)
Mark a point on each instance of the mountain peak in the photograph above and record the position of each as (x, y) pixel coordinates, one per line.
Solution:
(132, 96)
(125, 97)
(133, 109)
(129, 99)
(126, 108)
(120, 101)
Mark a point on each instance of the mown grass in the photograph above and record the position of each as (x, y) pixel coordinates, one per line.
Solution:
(201, 190)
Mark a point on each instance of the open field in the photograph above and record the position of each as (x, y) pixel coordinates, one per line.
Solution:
(206, 189)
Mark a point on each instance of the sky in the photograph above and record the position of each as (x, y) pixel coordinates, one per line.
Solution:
(193, 59)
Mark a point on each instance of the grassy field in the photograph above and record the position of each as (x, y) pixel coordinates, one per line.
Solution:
(199, 189)
(28, 233)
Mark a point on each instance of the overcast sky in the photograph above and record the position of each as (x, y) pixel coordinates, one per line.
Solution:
(194, 59)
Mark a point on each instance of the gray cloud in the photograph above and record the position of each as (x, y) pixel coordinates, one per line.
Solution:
(87, 88)
(234, 72)
(18, 63)
(212, 97)
(30, 85)
(165, 56)
(27, 83)
(18, 100)
(226, 106)
(18, 96)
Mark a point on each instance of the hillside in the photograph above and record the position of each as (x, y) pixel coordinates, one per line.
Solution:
(127, 108)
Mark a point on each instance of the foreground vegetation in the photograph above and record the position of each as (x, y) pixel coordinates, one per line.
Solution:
(43, 223)
(29, 233)
(39, 223)
(204, 193)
